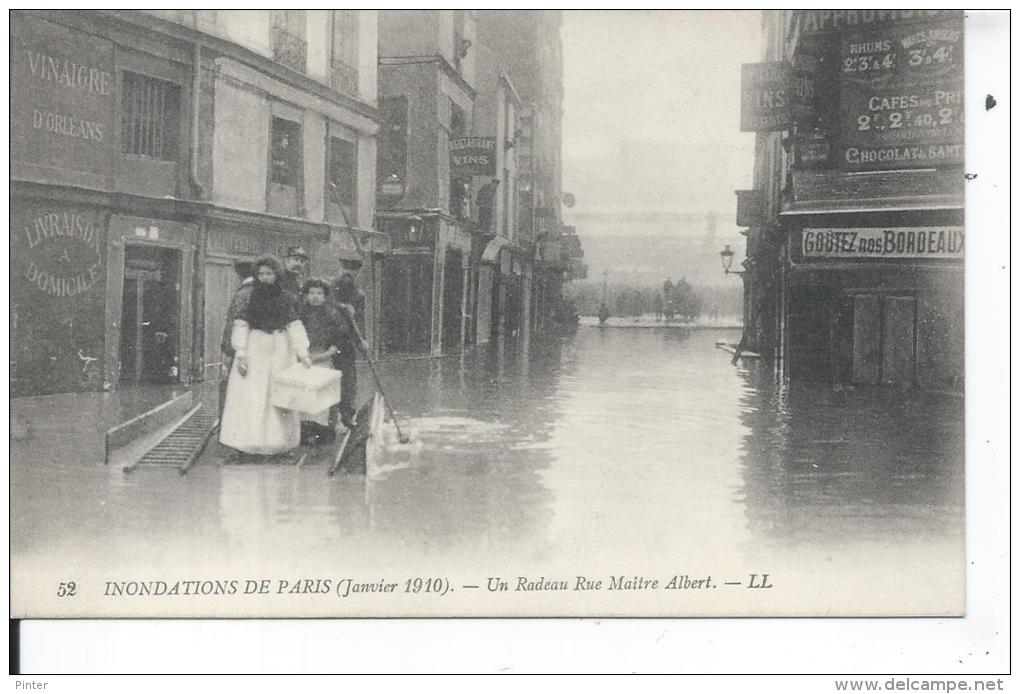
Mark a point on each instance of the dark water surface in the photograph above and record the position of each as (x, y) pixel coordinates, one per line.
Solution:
(616, 443)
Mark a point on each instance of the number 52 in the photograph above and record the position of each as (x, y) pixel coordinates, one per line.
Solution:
(66, 590)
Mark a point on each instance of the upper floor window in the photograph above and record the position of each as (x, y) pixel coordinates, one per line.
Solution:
(150, 117)
(344, 53)
(288, 35)
(285, 160)
(342, 178)
(392, 167)
(458, 120)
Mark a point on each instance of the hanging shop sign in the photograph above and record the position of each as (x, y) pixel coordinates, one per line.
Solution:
(901, 98)
(473, 156)
(62, 102)
(880, 242)
(766, 96)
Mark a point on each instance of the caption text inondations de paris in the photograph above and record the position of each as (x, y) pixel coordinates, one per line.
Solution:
(437, 585)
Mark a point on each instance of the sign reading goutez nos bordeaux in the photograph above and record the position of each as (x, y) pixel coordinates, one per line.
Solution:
(473, 156)
(877, 242)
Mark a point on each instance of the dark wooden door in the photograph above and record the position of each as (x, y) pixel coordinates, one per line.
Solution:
(453, 293)
(407, 304)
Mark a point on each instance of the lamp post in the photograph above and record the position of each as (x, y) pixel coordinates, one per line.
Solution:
(726, 256)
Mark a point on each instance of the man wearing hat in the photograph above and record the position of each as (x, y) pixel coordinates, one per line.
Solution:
(295, 263)
(351, 301)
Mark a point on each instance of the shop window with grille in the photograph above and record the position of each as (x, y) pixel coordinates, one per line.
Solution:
(342, 180)
(150, 117)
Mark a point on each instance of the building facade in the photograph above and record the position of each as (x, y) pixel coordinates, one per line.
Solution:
(426, 97)
(855, 239)
(530, 52)
(152, 148)
(503, 267)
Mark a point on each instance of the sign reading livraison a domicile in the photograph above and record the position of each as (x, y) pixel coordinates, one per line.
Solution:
(879, 242)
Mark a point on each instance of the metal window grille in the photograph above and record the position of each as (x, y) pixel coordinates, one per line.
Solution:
(289, 46)
(150, 120)
(343, 70)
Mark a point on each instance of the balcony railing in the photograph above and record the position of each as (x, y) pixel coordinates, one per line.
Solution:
(343, 78)
(289, 50)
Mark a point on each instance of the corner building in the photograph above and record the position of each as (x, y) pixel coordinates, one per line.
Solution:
(855, 239)
(149, 149)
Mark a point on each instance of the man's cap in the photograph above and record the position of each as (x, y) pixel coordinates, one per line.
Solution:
(244, 267)
(297, 252)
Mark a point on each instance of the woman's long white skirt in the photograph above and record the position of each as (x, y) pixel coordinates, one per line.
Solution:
(250, 424)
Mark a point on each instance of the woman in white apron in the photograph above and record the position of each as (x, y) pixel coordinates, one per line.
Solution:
(267, 337)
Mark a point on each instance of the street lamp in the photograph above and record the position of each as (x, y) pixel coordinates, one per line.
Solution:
(726, 256)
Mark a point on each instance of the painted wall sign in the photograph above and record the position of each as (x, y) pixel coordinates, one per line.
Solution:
(234, 243)
(62, 120)
(811, 22)
(473, 156)
(901, 102)
(766, 96)
(65, 252)
(58, 297)
(878, 242)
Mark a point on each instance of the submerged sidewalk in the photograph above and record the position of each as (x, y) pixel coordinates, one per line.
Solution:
(55, 428)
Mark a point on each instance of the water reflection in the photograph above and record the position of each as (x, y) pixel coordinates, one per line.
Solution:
(831, 466)
(639, 444)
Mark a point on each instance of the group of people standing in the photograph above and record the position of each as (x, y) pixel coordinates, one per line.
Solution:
(273, 322)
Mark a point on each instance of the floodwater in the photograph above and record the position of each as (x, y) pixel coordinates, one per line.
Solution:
(613, 450)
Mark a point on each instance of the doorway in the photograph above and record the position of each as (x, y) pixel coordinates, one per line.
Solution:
(884, 339)
(150, 315)
(407, 303)
(453, 294)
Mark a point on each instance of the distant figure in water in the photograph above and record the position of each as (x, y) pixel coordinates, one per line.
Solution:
(603, 314)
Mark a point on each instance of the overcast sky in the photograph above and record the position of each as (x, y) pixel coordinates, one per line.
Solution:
(652, 109)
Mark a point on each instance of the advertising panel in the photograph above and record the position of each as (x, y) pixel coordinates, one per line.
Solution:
(62, 123)
(901, 104)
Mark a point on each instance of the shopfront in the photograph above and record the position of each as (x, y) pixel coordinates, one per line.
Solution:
(149, 328)
(228, 240)
(58, 295)
(877, 305)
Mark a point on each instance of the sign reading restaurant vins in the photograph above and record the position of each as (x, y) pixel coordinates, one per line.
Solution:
(901, 101)
(878, 242)
(62, 122)
(473, 156)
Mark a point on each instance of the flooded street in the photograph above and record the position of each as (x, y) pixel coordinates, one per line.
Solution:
(613, 451)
